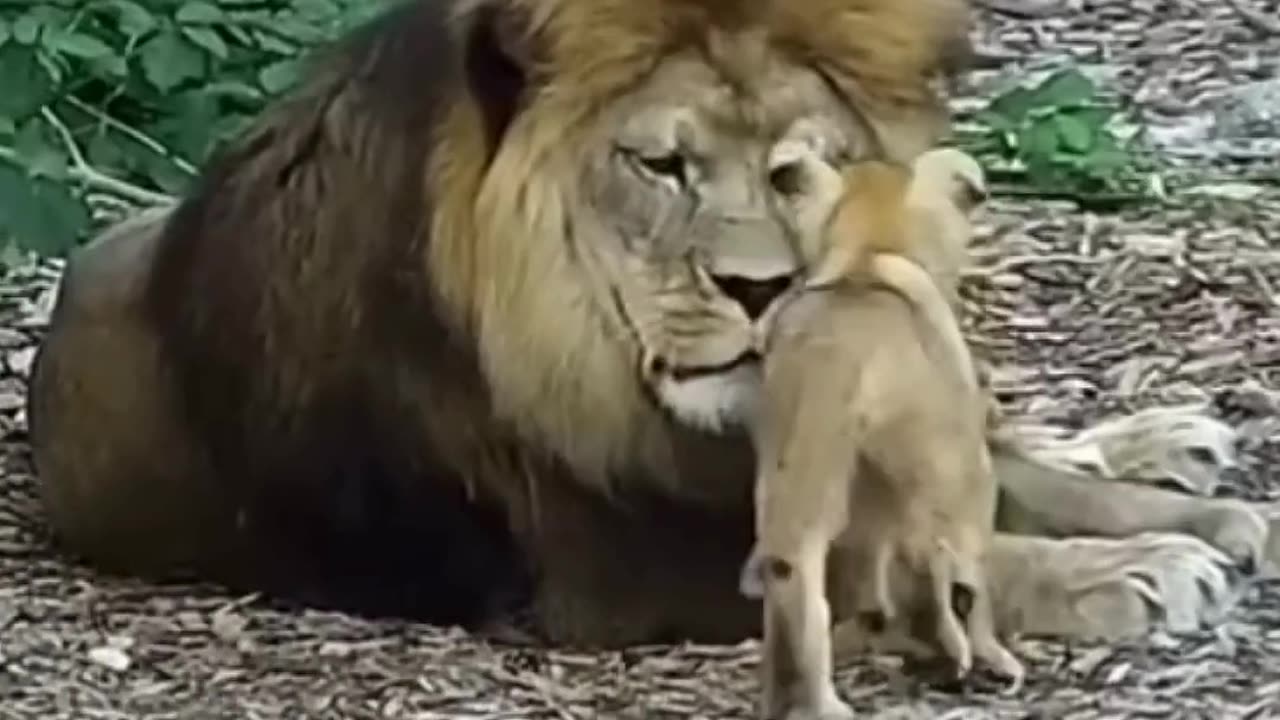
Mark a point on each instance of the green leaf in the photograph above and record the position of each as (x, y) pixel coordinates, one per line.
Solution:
(77, 45)
(1075, 134)
(1065, 87)
(229, 127)
(165, 174)
(50, 15)
(208, 39)
(1094, 115)
(234, 89)
(41, 215)
(279, 76)
(273, 44)
(1039, 140)
(112, 66)
(27, 85)
(1042, 172)
(187, 131)
(106, 153)
(199, 13)
(317, 9)
(135, 20)
(51, 64)
(1013, 104)
(1106, 161)
(13, 256)
(168, 59)
(295, 28)
(6, 31)
(993, 120)
(37, 148)
(26, 30)
(238, 34)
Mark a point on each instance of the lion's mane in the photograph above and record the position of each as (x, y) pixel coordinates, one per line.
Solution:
(500, 257)
(375, 362)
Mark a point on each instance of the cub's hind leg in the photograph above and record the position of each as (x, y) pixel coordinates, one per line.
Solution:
(929, 507)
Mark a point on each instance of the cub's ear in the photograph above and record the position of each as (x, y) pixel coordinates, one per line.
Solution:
(499, 50)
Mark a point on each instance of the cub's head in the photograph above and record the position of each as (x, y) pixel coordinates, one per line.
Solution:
(919, 209)
(610, 222)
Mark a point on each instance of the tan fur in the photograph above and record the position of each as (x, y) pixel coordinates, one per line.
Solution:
(877, 446)
(882, 52)
(402, 361)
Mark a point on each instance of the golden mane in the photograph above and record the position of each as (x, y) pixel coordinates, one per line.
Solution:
(498, 254)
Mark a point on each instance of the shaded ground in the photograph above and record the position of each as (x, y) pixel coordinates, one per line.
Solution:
(1091, 314)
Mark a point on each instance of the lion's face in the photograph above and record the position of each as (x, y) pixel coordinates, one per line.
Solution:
(610, 223)
(686, 218)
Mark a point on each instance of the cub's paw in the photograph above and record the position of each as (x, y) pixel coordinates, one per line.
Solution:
(832, 709)
(1109, 588)
(820, 702)
(920, 582)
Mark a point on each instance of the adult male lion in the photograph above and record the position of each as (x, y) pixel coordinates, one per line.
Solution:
(462, 327)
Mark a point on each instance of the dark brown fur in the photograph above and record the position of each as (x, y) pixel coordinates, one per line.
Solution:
(318, 412)
(294, 319)
(279, 388)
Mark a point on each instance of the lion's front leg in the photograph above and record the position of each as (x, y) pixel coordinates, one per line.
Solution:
(1098, 559)
(1038, 500)
(1107, 588)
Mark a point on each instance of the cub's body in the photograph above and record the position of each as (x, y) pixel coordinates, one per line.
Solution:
(875, 446)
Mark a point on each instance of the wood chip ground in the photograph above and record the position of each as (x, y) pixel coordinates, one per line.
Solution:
(1087, 315)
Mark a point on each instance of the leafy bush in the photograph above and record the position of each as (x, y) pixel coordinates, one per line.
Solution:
(1060, 137)
(103, 99)
(105, 103)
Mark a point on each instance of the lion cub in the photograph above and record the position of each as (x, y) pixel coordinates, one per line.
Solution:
(870, 435)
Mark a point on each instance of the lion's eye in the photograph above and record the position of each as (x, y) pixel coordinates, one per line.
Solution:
(670, 166)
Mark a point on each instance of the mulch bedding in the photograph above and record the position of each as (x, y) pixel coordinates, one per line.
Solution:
(1086, 315)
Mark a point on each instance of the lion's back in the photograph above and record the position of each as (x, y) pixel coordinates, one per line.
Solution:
(303, 384)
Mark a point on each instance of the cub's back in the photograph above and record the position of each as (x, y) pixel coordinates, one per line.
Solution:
(858, 355)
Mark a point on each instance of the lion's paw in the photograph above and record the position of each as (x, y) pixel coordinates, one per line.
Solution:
(1180, 445)
(1109, 588)
(1235, 528)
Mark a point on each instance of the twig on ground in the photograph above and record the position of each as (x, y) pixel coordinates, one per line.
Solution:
(1028, 9)
(1255, 18)
(1012, 262)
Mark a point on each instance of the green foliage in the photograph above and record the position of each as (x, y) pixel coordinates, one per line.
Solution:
(1060, 137)
(127, 97)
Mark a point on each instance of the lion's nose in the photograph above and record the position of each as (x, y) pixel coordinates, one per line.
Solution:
(753, 295)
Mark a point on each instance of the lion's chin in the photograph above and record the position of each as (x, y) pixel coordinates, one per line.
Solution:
(712, 402)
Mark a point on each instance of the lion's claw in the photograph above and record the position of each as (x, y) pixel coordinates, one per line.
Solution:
(1236, 529)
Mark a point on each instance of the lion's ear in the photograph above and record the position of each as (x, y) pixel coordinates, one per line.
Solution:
(498, 56)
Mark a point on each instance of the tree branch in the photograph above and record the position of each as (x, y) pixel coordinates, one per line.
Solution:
(81, 169)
